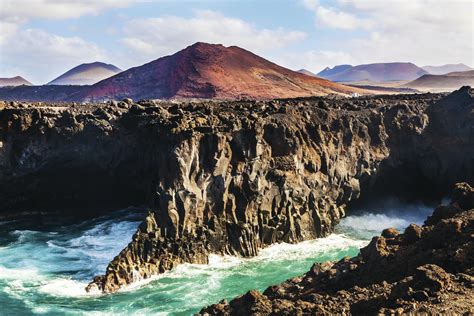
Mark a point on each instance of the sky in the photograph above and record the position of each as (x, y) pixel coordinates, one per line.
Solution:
(41, 39)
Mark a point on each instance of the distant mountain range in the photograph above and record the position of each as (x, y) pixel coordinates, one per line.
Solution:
(15, 81)
(445, 69)
(214, 71)
(442, 83)
(379, 72)
(386, 72)
(198, 71)
(328, 72)
(86, 74)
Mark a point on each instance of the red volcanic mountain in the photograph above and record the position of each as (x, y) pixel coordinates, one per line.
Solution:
(211, 71)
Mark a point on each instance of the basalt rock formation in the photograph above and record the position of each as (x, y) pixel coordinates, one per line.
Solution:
(425, 270)
(229, 177)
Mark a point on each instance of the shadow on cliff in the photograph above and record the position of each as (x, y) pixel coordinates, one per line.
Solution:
(425, 167)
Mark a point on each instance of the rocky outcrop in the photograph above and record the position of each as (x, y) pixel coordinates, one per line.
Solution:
(426, 269)
(229, 177)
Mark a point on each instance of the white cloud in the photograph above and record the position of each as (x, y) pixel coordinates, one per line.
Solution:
(7, 30)
(55, 9)
(420, 31)
(334, 18)
(37, 54)
(423, 31)
(154, 37)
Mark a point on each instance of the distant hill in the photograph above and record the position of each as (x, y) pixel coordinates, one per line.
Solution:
(306, 72)
(86, 74)
(327, 72)
(441, 83)
(212, 71)
(379, 72)
(445, 69)
(15, 81)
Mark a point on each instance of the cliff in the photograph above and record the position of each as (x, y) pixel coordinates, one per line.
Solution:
(425, 270)
(229, 177)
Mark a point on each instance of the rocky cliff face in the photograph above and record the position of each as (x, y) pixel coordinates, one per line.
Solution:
(229, 177)
(427, 270)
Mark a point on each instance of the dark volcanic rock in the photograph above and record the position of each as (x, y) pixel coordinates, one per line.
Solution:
(430, 275)
(229, 177)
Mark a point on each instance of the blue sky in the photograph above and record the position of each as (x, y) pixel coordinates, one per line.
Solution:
(41, 39)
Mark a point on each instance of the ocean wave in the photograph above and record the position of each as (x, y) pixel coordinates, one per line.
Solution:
(24, 235)
(373, 222)
(309, 248)
(27, 279)
(66, 288)
(18, 274)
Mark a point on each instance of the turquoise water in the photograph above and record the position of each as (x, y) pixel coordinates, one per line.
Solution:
(45, 271)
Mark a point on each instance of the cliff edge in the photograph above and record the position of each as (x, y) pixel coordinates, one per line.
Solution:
(229, 177)
(424, 270)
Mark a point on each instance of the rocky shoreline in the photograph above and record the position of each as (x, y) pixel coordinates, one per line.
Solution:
(427, 270)
(229, 177)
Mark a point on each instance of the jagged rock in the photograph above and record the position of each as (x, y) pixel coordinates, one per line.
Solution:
(419, 277)
(128, 101)
(390, 233)
(218, 180)
(376, 249)
(412, 234)
(462, 194)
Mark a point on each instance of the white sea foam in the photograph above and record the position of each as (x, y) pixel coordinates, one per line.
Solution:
(41, 310)
(373, 222)
(66, 288)
(141, 283)
(23, 235)
(223, 262)
(28, 279)
(309, 248)
(19, 274)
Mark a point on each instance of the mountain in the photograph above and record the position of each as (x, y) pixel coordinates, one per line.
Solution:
(445, 69)
(212, 71)
(379, 72)
(86, 74)
(199, 71)
(441, 83)
(15, 81)
(326, 72)
(306, 72)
